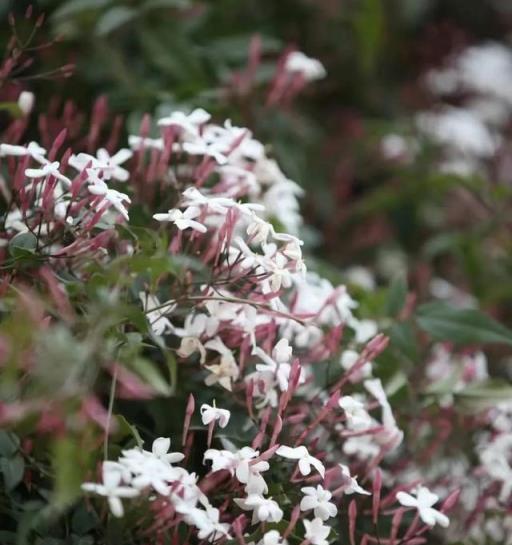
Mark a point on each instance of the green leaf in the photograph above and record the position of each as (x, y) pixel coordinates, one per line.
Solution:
(113, 19)
(9, 444)
(148, 372)
(23, 245)
(128, 429)
(84, 520)
(403, 338)
(462, 326)
(68, 477)
(397, 294)
(12, 471)
(74, 7)
(485, 394)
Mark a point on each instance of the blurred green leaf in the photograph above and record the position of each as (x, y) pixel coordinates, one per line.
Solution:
(113, 19)
(23, 245)
(396, 297)
(462, 326)
(74, 7)
(66, 465)
(12, 471)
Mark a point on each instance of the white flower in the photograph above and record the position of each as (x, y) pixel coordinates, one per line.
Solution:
(226, 371)
(364, 329)
(104, 162)
(183, 220)
(310, 69)
(316, 532)
(110, 164)
(188, 123)
(348, 359)
(160, 450)
(318, 500)
(33, 149)
(423, 503)
(272, 537)
(48, 169)
(239, 464)
(210, 414)
(207, 522)
(112, 488)
(305, 459)
(115, 198)
(351, 485)
(357, 416)
(263, 509)
(157, 320)
(139, 142)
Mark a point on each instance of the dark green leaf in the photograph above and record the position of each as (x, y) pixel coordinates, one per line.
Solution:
(12, 470)
(23, 245)
(462, 326)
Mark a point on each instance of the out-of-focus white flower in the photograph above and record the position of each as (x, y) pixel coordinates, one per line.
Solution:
(460, 130)
(139, 142)
(108, 165)
(48, 169)
(263, 509)
(348, 359)
(272, 537)
(318, 500)
(207, 522)
(226, 371)
(112, 488)
(305, 459)
(394, 146)
(423, 502)
(210, 414)
(188, 123)
(363, 329)
(351, 486)
(183, 220)
(33, 149)
(157, 318)
(299, 63)
(26, 102)
(357, 416)
(316, 531)
(115, 198)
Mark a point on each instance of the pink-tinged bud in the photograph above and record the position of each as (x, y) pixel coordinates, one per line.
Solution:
(352, 516)
(451, 500)
(278, 426)
(238, 526)
(28, 11)
(11, 20)
(377, 485)
(57, 143)
(129, 385)
(191, 405)
(211, 428)
(395, 525)
(93, 410)
(249, 394)
(364, 540)
(57, 292)
(40, 21)
(293, 521)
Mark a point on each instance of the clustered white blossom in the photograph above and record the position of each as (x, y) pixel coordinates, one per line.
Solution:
(249, 349)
